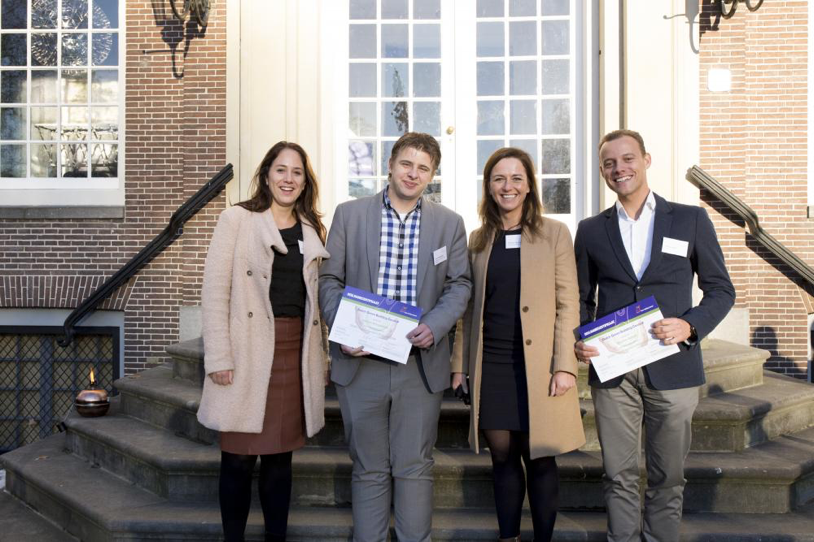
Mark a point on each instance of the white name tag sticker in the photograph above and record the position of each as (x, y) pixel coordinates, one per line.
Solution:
(439, 255)
(512, 241)
(676, 247)
(302, 246)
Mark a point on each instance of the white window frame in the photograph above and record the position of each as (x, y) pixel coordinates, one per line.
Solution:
(87, 192)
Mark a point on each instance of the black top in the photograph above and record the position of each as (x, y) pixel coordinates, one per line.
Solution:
(502, 329)
(287, 290)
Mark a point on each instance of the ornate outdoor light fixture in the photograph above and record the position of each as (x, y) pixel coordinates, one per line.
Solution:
(728, 7)
(198, 8)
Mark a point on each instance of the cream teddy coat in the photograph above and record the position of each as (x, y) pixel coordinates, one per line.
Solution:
(238, 323)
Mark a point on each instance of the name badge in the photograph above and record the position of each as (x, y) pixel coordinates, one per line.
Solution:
(512, 241)
(676, 247)
(439, 255)
(302, 246)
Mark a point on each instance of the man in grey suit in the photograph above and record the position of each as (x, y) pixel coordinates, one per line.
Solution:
(405, 248)
(646, 246)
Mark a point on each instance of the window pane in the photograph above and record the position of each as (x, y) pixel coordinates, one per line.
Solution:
(12, 123)
(394, 9)
(490, 39)
(44, 86)
(523, 77)
(395, 79)
(105, 49)
(360, 188)
(44, 14)
(362, 9)
(490, 8)
(363, 41)
(13, 87)
(44, 160)
(395, 118)
(13, 49)
(427, 79)
(362, 80)
(13, 14)
(43, 123)
(485, 150)
(555, 7)
(104, 160)
(426, 9)
(523, 117)
(74, 159)
(556, 117)
(104, 86)
(555, 77)
(556, 156)
(427, 41)
(387, 149)
(523, 38)
(362, 119)
(74, 13)
(555, 37)
(427, 118)
(530, 146)
(522, 8)
(394, 41)
(490, 79)
(556, 196)
(74, 123)
(490, 117)
(44, 49)
(75, 86)
(105, 14)
(74, 49)
(104, 123)
(361, 159)
(12, 161)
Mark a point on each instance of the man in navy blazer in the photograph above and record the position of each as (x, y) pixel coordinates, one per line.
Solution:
(646, 246)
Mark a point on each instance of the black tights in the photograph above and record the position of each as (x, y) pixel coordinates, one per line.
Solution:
(235, 492)
(507, 448)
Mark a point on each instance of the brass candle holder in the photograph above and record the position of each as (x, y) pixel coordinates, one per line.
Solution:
(93, 401)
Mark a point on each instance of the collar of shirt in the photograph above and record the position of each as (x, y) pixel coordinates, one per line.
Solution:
(637, 234)
(649, 208)
(389, 206)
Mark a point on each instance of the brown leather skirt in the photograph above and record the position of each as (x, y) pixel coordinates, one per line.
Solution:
(284, 421)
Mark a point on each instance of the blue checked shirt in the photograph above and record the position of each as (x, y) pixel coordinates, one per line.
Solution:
(398, 253)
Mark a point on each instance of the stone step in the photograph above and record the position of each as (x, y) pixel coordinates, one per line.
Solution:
(97, 506)
(183, 470)
(18, 522)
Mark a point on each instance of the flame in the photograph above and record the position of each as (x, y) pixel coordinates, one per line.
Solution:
(92, 378)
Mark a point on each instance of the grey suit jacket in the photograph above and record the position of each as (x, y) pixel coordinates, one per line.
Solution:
(443, 289)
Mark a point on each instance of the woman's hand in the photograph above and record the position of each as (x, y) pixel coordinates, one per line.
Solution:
(459, 379)
(561, 382)
(222, 378)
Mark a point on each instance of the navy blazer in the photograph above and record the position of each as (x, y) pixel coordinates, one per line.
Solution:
(602, 263)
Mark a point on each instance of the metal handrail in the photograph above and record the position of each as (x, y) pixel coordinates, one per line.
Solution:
(702, 179)
(174, 229)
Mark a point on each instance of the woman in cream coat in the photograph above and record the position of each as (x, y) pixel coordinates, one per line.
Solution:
(516, 343)
(264, 351)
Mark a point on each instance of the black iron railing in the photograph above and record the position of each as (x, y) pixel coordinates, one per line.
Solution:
(702, 179)
(174, 229)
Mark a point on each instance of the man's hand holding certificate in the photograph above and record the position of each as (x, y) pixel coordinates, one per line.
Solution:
(625, 341)
(374, 323)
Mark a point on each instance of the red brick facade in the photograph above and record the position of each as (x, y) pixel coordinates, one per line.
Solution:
(175, 140)
(754, 140)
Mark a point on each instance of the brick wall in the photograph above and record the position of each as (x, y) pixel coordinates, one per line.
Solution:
(754, 140)
(175, 139)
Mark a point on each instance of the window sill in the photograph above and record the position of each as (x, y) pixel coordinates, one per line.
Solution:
(73, 212)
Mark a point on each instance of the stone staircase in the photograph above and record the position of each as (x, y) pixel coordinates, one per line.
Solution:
(148, 470)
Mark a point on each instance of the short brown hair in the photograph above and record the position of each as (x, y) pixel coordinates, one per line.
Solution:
(616, 134)
(421, 142)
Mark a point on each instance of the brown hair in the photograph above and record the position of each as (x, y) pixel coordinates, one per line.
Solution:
(616, 134)
(421, 142)
(531, 220)
(306, 205)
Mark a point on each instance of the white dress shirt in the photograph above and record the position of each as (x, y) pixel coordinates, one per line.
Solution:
(637, 235)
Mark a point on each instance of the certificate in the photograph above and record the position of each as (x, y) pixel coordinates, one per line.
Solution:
(377, 324)
(624, 339)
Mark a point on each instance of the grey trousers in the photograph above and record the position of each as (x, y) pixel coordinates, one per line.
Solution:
(667, 416)
(391, 424)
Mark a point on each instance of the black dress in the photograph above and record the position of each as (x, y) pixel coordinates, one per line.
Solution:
(504, 402)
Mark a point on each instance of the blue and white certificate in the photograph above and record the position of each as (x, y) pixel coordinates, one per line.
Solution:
(377, 324)
(624, 339)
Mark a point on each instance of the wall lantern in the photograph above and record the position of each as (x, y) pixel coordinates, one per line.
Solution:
(200, 10)
(728, 7)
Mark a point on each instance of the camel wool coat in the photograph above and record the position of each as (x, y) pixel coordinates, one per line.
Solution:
(238, 323)
(549, 313)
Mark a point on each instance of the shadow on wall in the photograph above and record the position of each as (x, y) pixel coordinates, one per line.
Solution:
(710, 17)
(765, 337)
(173, 32)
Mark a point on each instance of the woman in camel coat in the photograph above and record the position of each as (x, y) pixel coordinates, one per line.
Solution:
(265, 356)
(516, 343)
